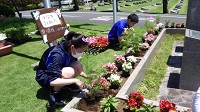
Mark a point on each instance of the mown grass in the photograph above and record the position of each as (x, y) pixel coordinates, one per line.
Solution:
(159, 9)
(155, 73)
(184, 7)
(133, 8)
(19, 90)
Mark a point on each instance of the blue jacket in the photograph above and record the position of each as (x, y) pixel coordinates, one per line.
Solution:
(51, 64)
(117, 30)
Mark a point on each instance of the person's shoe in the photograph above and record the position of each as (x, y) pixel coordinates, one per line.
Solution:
(118, 47)
(60, 103)
(72, 87)
(56, 99)
(50, 107)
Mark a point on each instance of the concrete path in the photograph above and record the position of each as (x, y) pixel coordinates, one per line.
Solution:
(169, 88)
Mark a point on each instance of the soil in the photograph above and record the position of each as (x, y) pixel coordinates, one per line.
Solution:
(87, 105)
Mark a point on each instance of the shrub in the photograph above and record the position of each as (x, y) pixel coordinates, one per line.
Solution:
(131, 40)
(6, 11)
(33, 6)
(15, 33)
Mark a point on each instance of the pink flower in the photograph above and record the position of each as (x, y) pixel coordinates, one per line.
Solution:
(110, 68)
(119, 59)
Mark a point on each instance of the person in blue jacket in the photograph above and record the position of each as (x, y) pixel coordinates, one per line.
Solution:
(59, 66)
(116, 32)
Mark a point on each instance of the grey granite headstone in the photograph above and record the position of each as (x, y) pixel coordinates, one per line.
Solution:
(193, 15)
(190, 68)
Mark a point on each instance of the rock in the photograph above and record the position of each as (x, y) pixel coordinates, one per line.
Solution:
(127, 4)
(139, 11)
(100, 4)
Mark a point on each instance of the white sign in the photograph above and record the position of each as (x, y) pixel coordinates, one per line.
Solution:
(49, 19)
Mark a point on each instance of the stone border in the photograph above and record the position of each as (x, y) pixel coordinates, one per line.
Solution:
(136, 76)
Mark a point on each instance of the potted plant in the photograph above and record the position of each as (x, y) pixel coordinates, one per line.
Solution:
(178, 25)
(167, 21)
(182, 25)
(172, 24)
(97, 88)
(144, 46)
(135, 101)
(115, 81)
(126, 68)
(158, 17)
(119, 60)
(5, 47)
(149, 38)
(132, 59)
(109, 68)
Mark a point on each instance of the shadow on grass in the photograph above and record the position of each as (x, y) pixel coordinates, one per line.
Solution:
(64, 94)
(25, 56)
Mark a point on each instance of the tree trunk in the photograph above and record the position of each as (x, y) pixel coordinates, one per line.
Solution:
(59, 2)
(19, 14)
(76, 5)
(117, 5)
(165, 4)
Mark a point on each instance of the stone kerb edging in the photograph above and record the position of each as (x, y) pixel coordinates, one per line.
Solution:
(136, 76)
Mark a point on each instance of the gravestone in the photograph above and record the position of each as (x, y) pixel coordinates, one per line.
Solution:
(190, 69)
(50, 23)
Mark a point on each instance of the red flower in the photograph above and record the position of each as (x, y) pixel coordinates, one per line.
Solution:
(166, 106)
(135, 99)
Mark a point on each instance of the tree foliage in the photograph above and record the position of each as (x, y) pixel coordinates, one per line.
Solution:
(19, 3)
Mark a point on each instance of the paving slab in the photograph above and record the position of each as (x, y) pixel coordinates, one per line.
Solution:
(169, 89)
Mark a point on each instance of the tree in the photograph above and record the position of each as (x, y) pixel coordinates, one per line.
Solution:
(76, 5)
(165, 4)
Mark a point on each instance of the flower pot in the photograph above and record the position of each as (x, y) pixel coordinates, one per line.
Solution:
(125, 74)
(113, 86)
(5, 48)
(119, 68)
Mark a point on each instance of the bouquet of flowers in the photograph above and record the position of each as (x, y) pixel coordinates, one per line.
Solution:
(135, 100)
(110, 68)
(115, 80)
(126, 66)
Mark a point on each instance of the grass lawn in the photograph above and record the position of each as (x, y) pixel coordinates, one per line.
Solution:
(133, 8)
(159, 9)
(184, 7)
(19, 90)
(155, 73)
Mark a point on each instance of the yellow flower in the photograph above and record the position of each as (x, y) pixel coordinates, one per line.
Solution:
(132, 108)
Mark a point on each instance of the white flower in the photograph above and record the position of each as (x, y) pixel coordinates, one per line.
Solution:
(159, 25)
(114, 77)
(126, 66)
(131, 59)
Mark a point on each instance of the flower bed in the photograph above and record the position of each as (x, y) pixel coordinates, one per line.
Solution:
(132, 83)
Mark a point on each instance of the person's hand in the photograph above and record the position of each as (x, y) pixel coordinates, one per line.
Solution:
(83, 75)
(81, 84)
(123, 40)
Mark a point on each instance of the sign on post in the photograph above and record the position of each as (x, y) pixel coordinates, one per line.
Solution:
(50, 23)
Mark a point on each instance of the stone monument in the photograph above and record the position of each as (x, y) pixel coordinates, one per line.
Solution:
(190, 68)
